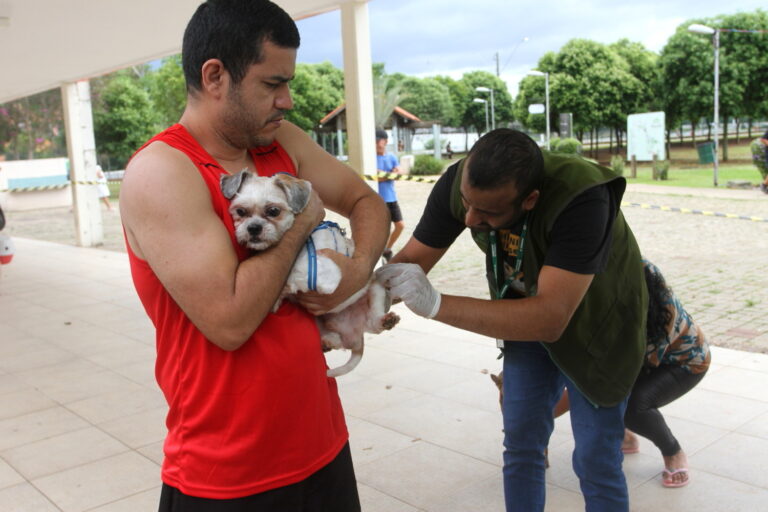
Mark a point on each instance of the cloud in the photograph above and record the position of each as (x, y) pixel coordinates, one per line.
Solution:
(451, 37)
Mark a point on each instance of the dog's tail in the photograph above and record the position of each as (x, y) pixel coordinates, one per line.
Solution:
(354, 360)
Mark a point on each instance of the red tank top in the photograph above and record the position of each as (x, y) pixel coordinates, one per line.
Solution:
(250, 420)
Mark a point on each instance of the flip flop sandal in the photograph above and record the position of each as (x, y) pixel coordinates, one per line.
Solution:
(630, 451)
(668, 474)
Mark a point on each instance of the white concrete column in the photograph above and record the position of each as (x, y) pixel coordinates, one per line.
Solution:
(81, 149)
(339, 137)
(438, 149)
(395, 136)
(358, 84)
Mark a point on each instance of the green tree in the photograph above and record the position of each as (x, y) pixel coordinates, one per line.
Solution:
(124, 118)
(427, 98)
(387, 94)
(643, 66)
(686, 87)
(531, 90)
(474, 113)
(744, 56)
(167, 90)
(687, 62)
(316, 90)
(460, 99)
(588, 79)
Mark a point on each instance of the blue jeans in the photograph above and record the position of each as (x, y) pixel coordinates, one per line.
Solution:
(532, 386)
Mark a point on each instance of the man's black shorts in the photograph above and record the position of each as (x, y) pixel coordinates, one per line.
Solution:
(394, 211)
(332, 488)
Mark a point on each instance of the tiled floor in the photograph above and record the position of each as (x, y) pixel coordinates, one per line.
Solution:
(81, 419)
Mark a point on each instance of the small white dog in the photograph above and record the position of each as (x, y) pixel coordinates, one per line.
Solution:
(263, 208)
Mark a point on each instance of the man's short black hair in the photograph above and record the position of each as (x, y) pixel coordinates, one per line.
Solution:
(503, 156)
(381, 134)
(234, 32)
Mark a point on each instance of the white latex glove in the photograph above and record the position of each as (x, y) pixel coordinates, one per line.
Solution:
(407, 281)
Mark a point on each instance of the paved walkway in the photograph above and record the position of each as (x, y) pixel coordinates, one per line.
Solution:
(81, 418)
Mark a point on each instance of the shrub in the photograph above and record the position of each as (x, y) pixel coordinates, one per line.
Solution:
(758, 156)
(661, 169)
(617, 164)
(426, 165)
(569, 146)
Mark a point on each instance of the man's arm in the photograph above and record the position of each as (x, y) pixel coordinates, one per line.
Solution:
(542, 317)
(344, 192)
(169, 222)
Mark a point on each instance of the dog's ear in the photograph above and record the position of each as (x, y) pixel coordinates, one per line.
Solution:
(497, 379)
(296, 190)
(231, 183)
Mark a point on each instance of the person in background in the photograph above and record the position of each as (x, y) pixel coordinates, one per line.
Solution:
(676, 359)
(254, 423)
(103, 187)
(387, 162)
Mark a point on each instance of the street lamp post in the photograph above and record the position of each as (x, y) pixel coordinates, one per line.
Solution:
(481, 100)
(493, 111)
(545, 74)
(715, 33)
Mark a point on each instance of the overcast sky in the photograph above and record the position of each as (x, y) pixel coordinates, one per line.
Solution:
(450, 37)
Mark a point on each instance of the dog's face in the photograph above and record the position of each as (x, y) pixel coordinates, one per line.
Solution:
(263, 208)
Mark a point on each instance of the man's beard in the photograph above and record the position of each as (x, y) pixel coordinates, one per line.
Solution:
(242, 130)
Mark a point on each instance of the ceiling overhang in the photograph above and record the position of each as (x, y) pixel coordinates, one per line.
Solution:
(49, 42)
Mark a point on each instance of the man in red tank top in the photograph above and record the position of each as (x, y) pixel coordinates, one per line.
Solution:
(253, 423)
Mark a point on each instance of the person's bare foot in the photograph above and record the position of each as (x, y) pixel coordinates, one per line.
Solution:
(675, 470)
(630, 444)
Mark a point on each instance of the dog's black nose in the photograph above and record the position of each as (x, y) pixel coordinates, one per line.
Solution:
(254, 229)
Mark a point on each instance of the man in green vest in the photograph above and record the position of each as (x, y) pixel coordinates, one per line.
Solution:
(568, 302)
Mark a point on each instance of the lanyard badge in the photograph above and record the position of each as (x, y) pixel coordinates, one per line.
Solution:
(498, 265)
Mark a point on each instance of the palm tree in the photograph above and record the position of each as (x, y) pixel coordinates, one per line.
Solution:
(386, 96)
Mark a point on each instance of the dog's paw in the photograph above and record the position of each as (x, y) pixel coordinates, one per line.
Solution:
(389, 320)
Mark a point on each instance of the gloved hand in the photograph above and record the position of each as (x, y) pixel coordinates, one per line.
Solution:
(408, 282)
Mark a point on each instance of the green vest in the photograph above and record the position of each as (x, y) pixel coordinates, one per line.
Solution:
(601, 351)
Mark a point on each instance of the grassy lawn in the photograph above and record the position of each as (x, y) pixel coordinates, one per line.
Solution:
(686, 151)
(699, 177)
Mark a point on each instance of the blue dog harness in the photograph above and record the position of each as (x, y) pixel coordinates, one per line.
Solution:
(312, 252)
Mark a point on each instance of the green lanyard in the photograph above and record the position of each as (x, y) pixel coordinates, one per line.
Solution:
(518, 260)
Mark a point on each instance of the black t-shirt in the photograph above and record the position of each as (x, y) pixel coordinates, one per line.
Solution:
(580, 239)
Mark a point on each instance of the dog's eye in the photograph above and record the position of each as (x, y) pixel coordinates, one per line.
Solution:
(273, 211)
(241, 212)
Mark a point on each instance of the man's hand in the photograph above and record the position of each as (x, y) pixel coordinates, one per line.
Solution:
(407, 281)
